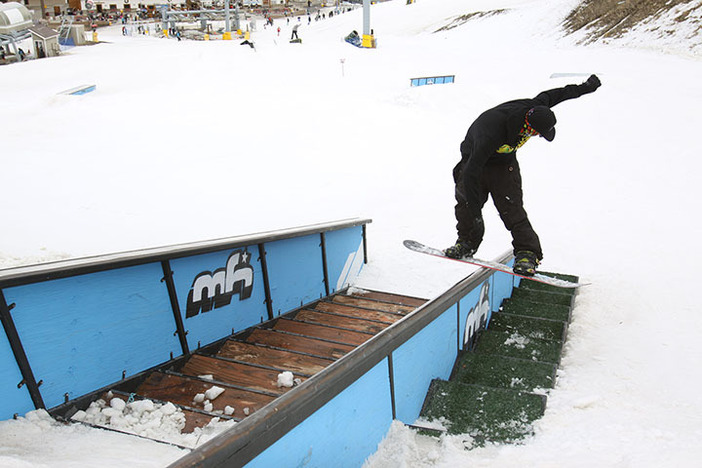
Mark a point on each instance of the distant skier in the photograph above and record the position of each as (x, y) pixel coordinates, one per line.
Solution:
(489, 166)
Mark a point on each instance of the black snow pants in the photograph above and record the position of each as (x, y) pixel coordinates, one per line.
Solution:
(504, 183)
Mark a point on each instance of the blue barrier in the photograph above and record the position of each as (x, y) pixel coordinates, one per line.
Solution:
(431, 80)
(78, 90)
(75, 326)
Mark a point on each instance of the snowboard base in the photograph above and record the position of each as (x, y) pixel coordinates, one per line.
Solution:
(421, 248)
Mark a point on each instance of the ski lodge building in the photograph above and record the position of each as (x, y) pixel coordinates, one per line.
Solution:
(54, 8)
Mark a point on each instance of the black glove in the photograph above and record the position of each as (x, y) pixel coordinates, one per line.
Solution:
(590, 85)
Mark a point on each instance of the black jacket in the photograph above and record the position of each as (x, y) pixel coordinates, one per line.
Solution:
(498, 127)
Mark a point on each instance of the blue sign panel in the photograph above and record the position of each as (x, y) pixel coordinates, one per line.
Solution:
(344, 256)
(295, 271)
(475, 311)
(85, 332)
(219, 293)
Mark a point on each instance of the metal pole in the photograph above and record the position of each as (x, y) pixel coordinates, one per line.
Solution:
(227, 26)
(236, 16)
(366, 17)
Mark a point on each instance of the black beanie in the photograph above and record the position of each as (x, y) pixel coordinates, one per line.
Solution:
(543, 120)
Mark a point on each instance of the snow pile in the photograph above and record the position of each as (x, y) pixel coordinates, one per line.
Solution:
(145, 418)
(141, 417)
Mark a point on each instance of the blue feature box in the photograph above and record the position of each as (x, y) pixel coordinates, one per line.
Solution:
(219, 293)
(431, 80)
(85, 332)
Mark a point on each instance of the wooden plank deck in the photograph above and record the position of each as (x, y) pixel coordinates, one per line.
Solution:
(247, 364)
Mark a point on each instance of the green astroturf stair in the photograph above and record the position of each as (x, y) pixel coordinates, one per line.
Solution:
(498, 388)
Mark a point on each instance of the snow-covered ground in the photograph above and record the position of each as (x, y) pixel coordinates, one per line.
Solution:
(186, 141)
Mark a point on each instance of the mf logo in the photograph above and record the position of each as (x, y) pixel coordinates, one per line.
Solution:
(214, 290)
(477, 317)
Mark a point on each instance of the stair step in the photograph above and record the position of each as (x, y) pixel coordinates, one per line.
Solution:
(485, 413)
(534, 285)
(504, 372)
(532, 327)
(547, 297)
(536, 309)
(515, 344)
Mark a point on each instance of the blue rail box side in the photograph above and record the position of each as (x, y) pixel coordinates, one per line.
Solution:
(344, 256)
(84, 332)
(343, 432)
(428, 355)
(14, 398)
(296, 272)
(219, 293)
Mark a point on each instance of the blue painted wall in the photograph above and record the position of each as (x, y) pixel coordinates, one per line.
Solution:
(13, 400)
(428, 355)
(84, 332)
(343, 432)
(296, 272)
(219, 292)
(344, 256)
(81, 333)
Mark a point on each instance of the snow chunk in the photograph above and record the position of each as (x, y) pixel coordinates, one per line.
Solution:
(168, 409)
(285, 379)
(118, 404)
(213, 392)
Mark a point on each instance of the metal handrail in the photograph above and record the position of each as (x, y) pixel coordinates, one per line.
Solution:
(77, 266)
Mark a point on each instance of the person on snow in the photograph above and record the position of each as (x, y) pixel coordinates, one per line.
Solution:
(294, 32)
(489, 166)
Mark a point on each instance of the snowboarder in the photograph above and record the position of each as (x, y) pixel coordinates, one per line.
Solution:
(294, 32)
(489, 166)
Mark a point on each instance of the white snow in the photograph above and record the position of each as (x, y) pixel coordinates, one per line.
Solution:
(187, 141)
(213, 392)
(285, 379)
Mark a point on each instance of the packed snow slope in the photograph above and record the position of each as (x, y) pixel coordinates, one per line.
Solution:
(186, 141)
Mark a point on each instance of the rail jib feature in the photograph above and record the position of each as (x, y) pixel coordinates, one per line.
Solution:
(73, 328)
(340, 413)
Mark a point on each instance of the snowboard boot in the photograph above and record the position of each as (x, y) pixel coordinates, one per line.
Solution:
(461, 250)
(525, 263)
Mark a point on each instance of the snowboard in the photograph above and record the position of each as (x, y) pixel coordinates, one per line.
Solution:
(421, 248)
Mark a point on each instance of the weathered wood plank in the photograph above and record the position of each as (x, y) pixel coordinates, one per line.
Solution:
(351, 311)
(182, 391)
(390, 297)
(299, 343)
(351, 323)
(279, 359)
(371, 304)
(321, 331)
(234, 373)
